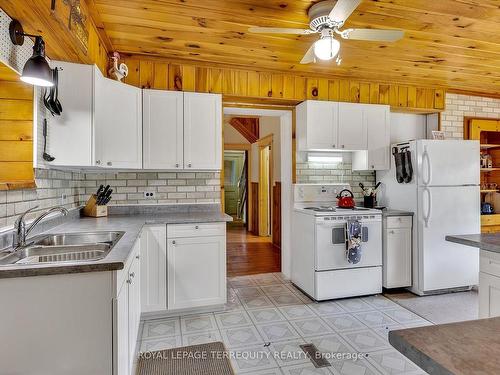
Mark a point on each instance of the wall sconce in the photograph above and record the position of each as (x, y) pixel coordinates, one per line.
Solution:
(36, 70)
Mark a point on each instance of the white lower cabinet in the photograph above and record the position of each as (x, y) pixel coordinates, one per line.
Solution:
(397, 252)
(196, 265)
(127, 314)
(489, 284)
(154, 268)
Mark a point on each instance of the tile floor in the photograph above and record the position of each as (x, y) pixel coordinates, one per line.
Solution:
(267, 318)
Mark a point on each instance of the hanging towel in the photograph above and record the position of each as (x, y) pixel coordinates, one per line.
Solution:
(408, 173)
(353, 252)
(399, 162)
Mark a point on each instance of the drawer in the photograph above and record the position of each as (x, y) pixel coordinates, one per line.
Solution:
(489, 262)
(196, 230)
(399, 222)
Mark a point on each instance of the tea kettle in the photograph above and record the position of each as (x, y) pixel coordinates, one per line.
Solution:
(346, 201)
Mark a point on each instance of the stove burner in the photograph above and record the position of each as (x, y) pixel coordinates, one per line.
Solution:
(321, 209)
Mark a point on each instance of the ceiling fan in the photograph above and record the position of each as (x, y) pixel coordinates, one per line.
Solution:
(326, 18)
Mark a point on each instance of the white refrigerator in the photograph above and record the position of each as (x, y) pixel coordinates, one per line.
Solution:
(445, 199)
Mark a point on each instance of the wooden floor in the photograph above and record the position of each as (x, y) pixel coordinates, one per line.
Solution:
(248, 254)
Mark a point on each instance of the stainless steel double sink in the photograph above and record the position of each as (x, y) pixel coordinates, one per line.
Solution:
(62, 248)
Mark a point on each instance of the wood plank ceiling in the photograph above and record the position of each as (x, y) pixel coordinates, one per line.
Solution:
(450, 43)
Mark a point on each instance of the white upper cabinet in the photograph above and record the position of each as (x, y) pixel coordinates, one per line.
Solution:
(118, 124)
(317, 125)
(202, 131)
(377, 156)
(352, 129)
(163, 129)
(71, 136)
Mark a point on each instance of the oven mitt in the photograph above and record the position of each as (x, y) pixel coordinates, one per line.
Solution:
(399, 161)
(353, 252)
(408, 168)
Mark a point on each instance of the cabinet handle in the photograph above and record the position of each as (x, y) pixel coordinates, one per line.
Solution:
(109, 163)
(173, 242)
(196, 227)
(189, 165)
(343, 146)
(137, 256)
(176, 165)
(373, 167)
(333, 146)
(98, 162)
(129, 281)
(132, 275)
(391, 232)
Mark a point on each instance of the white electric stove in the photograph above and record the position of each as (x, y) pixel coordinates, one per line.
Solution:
(320, 240)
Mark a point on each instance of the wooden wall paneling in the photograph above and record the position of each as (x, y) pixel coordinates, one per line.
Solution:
(253, 84)
(146, 74)
(393, 94)
(175, 78)
(188, 78)
(421, 102)
(241, 85)
(276, 212)
(439, 99)
(429, 98)
(202, 79)
(402, 96)
(216, 81)
(364, 92)
(412, 97)
(255, 207)
(288, 86)
(323, 89)
(333, 90)
(277, 85)
(13, 109)
(384, 94)
(344, 90)
(300, 88)
(160, 77)
(133, 77)
(374, 93)
(312, 88)
(353, 92)
(265, 83)
(16, 130)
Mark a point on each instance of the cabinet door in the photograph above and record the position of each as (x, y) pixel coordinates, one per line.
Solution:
(163, 128)
(397, 258)
(317, 125)
(489, 295)
(202, 131)
(154, 268)
(134, 308)
(196, 272)
(71, 136)
(352, 127)
(379, 137)
(118, 124)
(120, 336)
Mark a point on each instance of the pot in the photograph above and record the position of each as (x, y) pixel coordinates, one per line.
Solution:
(346, 199)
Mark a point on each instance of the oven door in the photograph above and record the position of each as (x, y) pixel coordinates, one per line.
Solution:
(331, 245)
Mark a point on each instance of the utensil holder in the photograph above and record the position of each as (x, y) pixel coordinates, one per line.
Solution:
(369, 201)
(92, 209)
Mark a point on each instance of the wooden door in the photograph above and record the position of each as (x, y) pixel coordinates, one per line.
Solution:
(163, 129)
(265, 182)
(202, 131)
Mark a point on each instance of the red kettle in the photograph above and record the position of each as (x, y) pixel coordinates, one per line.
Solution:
(346, 201)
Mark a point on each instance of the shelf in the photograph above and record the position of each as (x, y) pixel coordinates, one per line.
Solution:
(486, 146)
(490, 169)
(489, 191)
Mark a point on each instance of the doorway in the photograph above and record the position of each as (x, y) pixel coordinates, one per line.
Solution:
(255, 240)
(236, 186)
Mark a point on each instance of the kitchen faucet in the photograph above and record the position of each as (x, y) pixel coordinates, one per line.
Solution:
(21, 232)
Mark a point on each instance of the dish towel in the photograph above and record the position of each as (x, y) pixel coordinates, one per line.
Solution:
(353, 252)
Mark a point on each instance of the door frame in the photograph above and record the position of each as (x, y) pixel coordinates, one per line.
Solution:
(286, 116)
(265, 215)
(248, 148)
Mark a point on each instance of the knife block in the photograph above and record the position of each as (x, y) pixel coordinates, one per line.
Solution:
(92, 209)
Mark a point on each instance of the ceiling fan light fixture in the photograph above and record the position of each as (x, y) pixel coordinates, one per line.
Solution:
(326, 48)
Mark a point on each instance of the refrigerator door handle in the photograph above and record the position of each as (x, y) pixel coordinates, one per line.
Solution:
(427, 214)
(427, 161)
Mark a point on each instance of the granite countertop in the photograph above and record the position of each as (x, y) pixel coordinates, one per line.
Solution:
(486, 241)
(471, 347)
(131, 223)
(386, 212)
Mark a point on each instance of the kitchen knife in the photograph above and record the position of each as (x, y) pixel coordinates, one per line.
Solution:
(103, 194)
(105, 197)
(106, 201)
(99, 191)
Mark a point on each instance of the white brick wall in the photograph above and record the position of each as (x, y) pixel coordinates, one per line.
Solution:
(460, 106)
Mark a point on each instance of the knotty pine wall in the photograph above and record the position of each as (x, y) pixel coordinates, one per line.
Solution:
(280, 87)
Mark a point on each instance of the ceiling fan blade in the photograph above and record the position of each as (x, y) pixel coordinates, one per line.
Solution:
(279, 30)
(309, 56)
(343, 9)
(373, 34)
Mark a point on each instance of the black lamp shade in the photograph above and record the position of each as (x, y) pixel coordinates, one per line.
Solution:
(37, 71)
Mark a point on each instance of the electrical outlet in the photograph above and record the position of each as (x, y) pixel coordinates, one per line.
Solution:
(149, 195)
(63, 198)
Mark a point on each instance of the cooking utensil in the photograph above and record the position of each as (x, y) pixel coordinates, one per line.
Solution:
(53, 104)
(103, 195)
(106, 201)
(100, 190)
(45, 156)
(346, 201)
(106, 197)
(487, 208)
(57, 103)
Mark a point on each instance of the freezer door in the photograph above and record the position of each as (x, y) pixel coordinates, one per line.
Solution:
(446, 211)
(447, 163)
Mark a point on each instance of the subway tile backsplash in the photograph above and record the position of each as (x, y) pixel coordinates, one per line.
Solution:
(72, 189)
(315, 173)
